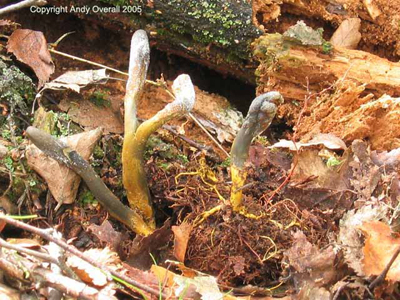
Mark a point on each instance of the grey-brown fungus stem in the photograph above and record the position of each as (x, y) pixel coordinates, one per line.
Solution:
(261, 113)
(59, 151)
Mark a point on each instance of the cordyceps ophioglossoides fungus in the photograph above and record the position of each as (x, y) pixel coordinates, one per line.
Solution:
(134, 177)
(140, 216)
(261, 113)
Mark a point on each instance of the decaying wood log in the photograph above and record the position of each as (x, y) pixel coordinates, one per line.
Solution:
(291, 68)
(216, 34)
(341, 87)
(379, 19)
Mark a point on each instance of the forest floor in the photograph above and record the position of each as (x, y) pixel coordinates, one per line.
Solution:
(327, 208)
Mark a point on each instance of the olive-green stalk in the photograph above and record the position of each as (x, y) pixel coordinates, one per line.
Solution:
(261, 113)
(63, 154)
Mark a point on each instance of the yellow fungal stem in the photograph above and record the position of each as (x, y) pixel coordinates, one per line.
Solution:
(238, 176)
(133, 175)
(135, 181)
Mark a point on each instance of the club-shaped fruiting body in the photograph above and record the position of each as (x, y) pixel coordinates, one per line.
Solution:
(63, 154)
(261, 113)
(135, 139)
(138, 65)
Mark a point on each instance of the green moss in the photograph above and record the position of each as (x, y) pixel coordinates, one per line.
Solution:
(270, 47)
(16, 88)
(86, 198)
(8, 163)
(226, 163)
(100, 99)
(304, 35)
(98, 153)
(273, 49)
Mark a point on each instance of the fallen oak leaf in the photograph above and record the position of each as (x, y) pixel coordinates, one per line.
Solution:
(347, 35)
(106, 233)
(181, 238)
(30, 47)
(380, 245)
(63, 182)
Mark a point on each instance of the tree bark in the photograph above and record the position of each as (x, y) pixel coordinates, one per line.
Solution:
(216, 34)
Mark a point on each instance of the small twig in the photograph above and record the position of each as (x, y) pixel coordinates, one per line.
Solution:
(250, 248)
(22, 4)
(10, 185)
(20, 267)
(382, 276)
(186, 139)
(45, 235)
(88, 62)
(37, 254)
(208, 134)
(250, 184)
(287, 179)
(339, 290)
(209, 150)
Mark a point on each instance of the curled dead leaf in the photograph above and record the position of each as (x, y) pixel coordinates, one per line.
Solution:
(89, 273)
(30, 47)
(182, 234)
(380, 245)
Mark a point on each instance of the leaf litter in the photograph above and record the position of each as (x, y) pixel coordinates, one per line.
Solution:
(328, 228)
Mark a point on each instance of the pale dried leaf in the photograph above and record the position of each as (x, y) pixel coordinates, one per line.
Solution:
(347, 35)
(30, 47)
(330, 141)
(62, 181)
(372, 9)
(349, 238)
(90, 274)
(75, 80)
(25, 243)
(8, 293)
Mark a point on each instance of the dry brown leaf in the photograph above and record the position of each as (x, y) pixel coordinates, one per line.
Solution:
(313, 267)
(90, 274)
(25, 243)
(62, 181)
(385, 158)
(348, 34)
(380, 245)
(75, 80)
(30, 47)
(182, 234)
(349, 237)
(106, 233)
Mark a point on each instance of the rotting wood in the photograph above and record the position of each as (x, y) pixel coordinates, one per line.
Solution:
(296, 70)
